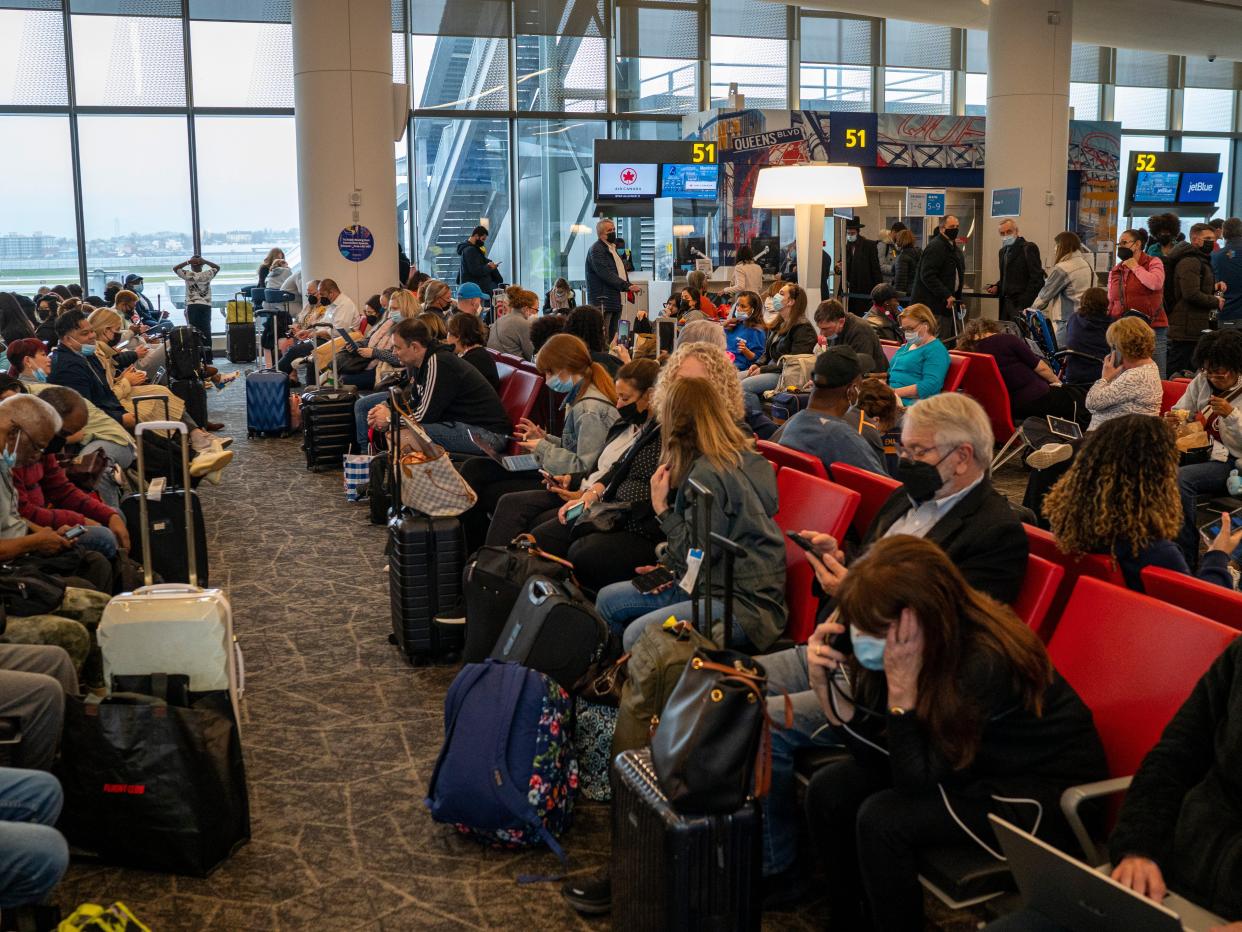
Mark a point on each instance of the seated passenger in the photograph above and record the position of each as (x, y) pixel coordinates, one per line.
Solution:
(377, 347)
(1087, 337)
(147, 357)
(511, 333)
(544, 328)
(841, 328)
(701, 331)
(703, 443)
(74, 366)
(746, 334)
(947, 498)
(467, 335)
(587, 324)
(918, 368)
(952, 710)
(447, 396)
(1214, 398)
(884, 315)
(560, 298)
(1121, 498)
(1034, 389)
(791, 334)
(826, 428)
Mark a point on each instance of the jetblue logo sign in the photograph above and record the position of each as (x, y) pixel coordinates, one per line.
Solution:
(1200, 187)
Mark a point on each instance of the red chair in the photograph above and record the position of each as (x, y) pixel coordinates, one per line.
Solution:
(959, 365)
(790, 458)
(1039, 590)
(518, 394)
(1172, 392)
(874, 488)
(808, 503)
(890, 348)
(983, 383)
(1203, 598)
(1133, 660)
(1096, 565)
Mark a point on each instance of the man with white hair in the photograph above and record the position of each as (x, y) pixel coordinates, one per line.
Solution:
(948, 498)
(606, 276)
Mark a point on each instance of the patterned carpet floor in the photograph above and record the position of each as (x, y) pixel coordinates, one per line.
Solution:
(340, 735)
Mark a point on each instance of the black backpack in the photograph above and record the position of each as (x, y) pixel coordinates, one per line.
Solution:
(184, 348)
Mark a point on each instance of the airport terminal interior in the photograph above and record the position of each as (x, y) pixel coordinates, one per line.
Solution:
(649, 464)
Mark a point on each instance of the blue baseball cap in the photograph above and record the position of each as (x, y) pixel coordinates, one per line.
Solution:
(469, 290)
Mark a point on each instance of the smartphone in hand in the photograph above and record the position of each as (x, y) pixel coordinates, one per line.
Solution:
(655, 579)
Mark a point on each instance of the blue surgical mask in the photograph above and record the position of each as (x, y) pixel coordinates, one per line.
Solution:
(8, 458)
(912, 336)
(851, 237)
(563, 386)
(88, 349)
(1009, 240)
(778, 302)
(394, 314)
(868, 649)
(137, 288)
(40, 375)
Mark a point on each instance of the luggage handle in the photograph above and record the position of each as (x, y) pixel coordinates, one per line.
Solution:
(541, 590)
(703, 499)
(148, 574)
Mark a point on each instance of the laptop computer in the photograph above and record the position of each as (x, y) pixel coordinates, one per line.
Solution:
(1082, 899)
(522, 462)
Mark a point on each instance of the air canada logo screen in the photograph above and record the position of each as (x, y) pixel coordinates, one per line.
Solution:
(628, 176)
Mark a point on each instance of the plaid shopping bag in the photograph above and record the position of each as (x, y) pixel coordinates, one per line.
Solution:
(357, 473)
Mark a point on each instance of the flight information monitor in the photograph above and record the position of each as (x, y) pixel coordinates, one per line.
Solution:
(1187, 183)
(1200, 187)
(1156, 187)
(628, 179)
(690, 181)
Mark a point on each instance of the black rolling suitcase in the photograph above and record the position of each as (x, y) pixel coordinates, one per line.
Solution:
(554, 630)
(240, 344)
(192, 392)
(425, 560)
(166, 518)
(695, 872)
(327, 424)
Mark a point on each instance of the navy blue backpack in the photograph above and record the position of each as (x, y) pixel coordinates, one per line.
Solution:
(506, 774)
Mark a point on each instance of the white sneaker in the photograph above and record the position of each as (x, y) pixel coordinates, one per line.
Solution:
(209, 461)
(200, 440)
(1049, 455)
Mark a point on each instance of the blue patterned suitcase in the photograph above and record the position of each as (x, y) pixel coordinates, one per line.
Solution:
(267, 402)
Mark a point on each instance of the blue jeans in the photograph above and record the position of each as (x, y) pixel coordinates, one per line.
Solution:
(454, 436)
(787, 671)
(1193, 481)
(754, 387)
(1161, 353)
(1061, 328)
(99, 539)
(362, 407)
(628, 612)
(33, 855)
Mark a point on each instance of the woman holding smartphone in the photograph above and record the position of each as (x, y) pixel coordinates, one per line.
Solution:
(704, 446)
(952, 711)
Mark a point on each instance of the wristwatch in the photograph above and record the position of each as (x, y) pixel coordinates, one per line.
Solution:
(898, 711)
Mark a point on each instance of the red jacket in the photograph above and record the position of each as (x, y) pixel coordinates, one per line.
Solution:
(1143, 289)
(47, 497)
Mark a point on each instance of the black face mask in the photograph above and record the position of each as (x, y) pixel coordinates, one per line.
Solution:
(1208, 247)
(630, 413)
(951, 234)
(922, 480)
(116, 338)
(1164, 239)
(610, 237)
(55, 445)
(312, 299)
(1125, 253)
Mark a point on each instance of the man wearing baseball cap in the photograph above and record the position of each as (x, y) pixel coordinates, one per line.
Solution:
(145, 310)
(830, 428)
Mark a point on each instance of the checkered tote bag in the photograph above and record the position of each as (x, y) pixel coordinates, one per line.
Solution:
(428, 482)
(357, 473)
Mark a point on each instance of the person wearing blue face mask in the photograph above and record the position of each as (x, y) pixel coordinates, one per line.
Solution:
(1021, 272)
(952, 710)
(377, 348)
(746, 334)
(74, 366)
(918, 368)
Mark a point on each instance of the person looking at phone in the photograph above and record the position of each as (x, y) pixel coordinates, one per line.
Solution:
(790, 334)
(476, 267)
(839, 328)
(704, 444)
(1214, 399)
(746, 335)
(952, 710)
(1139, 516)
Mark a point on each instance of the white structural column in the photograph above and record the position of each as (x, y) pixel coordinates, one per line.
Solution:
(343, 109)
(1029, 47)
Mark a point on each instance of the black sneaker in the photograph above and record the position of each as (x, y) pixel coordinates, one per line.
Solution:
(455, 614)
(784, 891)
(591, 897)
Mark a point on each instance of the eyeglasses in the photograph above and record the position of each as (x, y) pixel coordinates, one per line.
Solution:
(914, 451)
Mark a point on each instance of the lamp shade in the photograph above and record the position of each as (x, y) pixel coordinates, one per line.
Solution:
(783, 187)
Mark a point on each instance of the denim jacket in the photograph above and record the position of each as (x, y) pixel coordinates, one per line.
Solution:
(586, 431)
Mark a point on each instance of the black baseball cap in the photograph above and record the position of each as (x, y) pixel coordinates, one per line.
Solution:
(132, 279)
(838, 366)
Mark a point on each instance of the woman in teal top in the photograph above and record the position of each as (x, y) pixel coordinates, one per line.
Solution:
(918, 369)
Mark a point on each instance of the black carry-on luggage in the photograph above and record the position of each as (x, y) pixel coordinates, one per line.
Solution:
(183, 347)
(192, 392)
(425, 561)
(240, 343)
(697, 872)
(554, 630)
(327, 424)
(170, 556)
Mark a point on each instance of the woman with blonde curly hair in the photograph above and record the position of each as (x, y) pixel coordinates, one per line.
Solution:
(1120, 498)
(703, 361)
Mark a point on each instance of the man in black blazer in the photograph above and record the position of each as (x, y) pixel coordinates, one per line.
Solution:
(947, 498)
(862, 266)
(1021, 272)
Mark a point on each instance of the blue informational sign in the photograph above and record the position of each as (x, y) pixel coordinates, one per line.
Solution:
(1156, 187)
(1200, 187)
(1006, 202)
(935, 204)
(356, 243)
(690, 181)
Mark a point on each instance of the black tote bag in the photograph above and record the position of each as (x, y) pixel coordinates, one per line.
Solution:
(153, 785)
